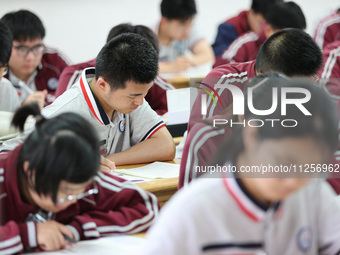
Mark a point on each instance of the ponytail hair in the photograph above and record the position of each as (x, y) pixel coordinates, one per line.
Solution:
(64, 147)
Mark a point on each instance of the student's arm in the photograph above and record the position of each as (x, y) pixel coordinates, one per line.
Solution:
(120, 208)
(180, 64)
(202, 53)
(15, 237)
(159, 147)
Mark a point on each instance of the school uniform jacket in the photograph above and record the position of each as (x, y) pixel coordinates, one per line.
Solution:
(330, 72)
(201, 145)
(46, 75)
(156, 97)
(327, 30)
(236, 74)
(216, 216)
(243, 49)
(119, 207)
(229, 30)
(125, 131)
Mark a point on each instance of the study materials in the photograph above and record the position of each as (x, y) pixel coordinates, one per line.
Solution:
(117, 245)
(153, 171)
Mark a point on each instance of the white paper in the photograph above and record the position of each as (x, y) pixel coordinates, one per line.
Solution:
(156, 170)
(178, 101)
(117, 245)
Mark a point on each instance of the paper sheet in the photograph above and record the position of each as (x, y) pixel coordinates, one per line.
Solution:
(117, 245)
(156, 170)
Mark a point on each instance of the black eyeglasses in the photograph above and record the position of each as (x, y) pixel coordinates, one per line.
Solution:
(23, 50)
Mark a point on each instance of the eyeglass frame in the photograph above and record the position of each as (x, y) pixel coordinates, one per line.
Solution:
(5, 70)
(20, 48)
(89, 192)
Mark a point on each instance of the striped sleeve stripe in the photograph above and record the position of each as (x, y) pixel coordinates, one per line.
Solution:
(1, 170)
(92, 233)
(74, 232)
(230, 53)
(74, 78)
(10, 242)
(200, 143)
(2, 179)
(89, 225)
(330, 62)
(192, 143)
(163, 84)
(230, 78)
(32, 240)
(152, 206)
(15, 249)
(320, 34)
(153, 130)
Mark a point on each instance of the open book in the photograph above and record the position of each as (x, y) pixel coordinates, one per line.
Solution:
(150, 172)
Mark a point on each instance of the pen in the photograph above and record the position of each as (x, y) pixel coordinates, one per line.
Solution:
(38, 218)
(67, 238)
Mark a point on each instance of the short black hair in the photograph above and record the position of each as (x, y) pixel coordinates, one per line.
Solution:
(6, 42)
(285, 15)
(127, 57)
(24, 25)
(144, 31)
(63, 148)
(178, 9)
(290, 51)
(263, 6)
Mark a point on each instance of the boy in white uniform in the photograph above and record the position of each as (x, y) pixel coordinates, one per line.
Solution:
(256, 213)
(111, 97)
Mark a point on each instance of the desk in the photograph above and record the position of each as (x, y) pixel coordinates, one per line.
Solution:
(163, 189)
(189, 77)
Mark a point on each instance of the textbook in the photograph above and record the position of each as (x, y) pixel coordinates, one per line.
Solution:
(117, 245)
(150, 172)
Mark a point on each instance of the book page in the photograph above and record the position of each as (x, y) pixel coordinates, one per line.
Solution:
(153, 171)
(117, 245)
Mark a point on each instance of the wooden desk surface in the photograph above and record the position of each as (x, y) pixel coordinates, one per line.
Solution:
(163, 189)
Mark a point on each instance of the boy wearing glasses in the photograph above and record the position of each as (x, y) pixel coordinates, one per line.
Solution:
(33, 68)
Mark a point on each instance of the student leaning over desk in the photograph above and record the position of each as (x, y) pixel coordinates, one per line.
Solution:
(111, 98)
(253, 213)
(50, 186)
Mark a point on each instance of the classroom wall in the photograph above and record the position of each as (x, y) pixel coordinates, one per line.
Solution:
(80, 27)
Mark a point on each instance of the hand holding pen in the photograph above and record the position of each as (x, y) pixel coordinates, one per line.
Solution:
(51, 235)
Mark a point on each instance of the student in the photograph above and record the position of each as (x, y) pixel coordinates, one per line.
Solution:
(245, 48)
(242, 213)
(50, 188)
(33, 67)
(276, 54)
(180, 45)
(245, 21)
(9, 99)
(156, 96)
(327, 29)
(111, 97)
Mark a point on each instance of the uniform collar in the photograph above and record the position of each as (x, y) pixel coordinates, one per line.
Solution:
(90, 98)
